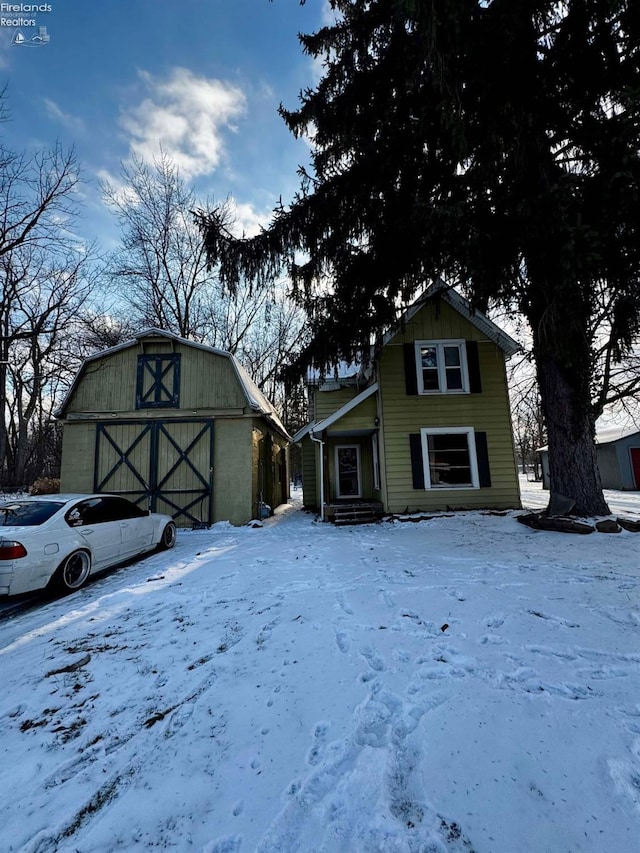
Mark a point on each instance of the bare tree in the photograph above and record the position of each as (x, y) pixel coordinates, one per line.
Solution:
(167, 282)
(161, 265)
(42, 296)
(529, 429)
(43, 268)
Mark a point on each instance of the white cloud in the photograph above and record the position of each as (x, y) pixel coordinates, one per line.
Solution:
(247, 219)
(187, 116)
(69, 121)
(328, 15)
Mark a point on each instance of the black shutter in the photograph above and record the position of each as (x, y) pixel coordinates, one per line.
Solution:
(473, 366)
(417, 467)
(482, 455)
(410, 378)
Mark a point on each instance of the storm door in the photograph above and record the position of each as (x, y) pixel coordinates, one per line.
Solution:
(347, 461)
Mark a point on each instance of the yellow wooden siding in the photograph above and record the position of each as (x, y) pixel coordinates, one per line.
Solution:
(438, 322)
(327, 402)
(207, 381)
(232, 470)
(180, 482)
(121, 478)
(78, 454)
(405, 414)
(361, 417)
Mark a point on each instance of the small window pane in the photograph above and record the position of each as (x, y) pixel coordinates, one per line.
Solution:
(452, 356)
(454, 379)
(429, 356)
(430, 380)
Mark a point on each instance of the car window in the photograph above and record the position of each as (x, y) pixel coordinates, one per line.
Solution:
(27, 513)
(100, 510)
(121, 508)
(86, 512)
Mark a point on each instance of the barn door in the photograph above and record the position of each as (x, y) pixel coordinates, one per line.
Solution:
(164, 465)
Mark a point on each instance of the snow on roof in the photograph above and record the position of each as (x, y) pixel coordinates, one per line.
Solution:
(257, 400)
(607, 435)
(342, 370)
(614, 433)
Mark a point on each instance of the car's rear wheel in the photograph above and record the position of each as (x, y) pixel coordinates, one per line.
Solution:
(73, 572)
(168, 538)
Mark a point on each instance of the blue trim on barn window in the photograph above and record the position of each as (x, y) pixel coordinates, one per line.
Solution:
(158, 381)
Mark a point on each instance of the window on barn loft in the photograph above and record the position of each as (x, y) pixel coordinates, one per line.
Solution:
(158, 381)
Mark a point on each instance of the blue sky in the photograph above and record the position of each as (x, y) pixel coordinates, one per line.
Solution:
(201, 77)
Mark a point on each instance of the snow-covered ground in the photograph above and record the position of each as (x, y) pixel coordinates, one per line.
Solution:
(459, 684)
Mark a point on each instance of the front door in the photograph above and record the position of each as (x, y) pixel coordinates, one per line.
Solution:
(347, 463)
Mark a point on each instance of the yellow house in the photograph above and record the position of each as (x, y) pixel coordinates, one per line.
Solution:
(425, 427)
(175, 426)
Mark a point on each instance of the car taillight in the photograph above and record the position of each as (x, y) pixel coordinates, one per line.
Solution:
(12, 550)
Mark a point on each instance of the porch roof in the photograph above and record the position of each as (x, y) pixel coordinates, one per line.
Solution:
(343, 410)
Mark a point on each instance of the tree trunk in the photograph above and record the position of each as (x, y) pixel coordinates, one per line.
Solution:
(573, 466)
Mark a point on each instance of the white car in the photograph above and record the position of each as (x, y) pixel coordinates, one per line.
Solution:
(57, 541)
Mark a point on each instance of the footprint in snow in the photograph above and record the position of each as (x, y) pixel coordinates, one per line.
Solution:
(387, 598)
(227, 844)
(372, 657)
(493, 640)
(343, 604)
(319, 739)
(626, 778)
(343, 641)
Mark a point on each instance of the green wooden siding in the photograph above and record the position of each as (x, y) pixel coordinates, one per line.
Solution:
(405, 414)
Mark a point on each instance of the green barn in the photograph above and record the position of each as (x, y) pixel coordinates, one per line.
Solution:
(175, 426)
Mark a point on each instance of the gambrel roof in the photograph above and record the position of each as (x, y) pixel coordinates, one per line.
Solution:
(256, 400)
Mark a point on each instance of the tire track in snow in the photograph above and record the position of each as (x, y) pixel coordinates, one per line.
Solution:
(107, 751)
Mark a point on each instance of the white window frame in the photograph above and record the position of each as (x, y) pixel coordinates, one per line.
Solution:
(473, 460)
(337, 469)
(439, 344)
(376, 461)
